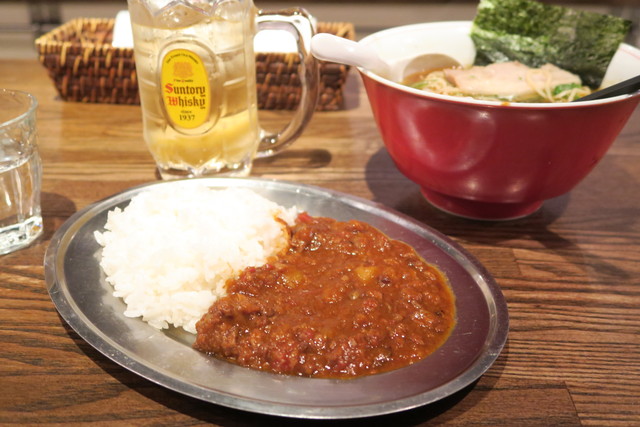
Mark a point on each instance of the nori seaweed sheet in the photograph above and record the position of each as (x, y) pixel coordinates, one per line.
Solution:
(535, 33)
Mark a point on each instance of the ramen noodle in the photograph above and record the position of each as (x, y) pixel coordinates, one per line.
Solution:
(507, 81)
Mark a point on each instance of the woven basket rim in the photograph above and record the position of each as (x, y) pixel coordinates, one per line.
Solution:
(74, 24)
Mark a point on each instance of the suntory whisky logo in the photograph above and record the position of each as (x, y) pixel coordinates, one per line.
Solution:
(185, 85)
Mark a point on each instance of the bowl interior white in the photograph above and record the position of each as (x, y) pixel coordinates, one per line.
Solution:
(452, 38)
(400, 43)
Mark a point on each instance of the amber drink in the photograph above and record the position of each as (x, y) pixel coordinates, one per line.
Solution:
(196, 76)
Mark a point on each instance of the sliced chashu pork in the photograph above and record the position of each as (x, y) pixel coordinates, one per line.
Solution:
(507, 80)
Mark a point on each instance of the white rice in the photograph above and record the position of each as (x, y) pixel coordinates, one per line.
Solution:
(169, 253)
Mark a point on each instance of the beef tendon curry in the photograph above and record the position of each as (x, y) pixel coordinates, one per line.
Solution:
(342, 301)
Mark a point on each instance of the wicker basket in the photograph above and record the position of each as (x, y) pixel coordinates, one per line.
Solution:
(85, 67)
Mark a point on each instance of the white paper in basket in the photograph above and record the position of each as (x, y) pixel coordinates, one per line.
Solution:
(265, 41)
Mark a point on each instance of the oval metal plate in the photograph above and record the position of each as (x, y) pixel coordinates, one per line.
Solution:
(78, 288)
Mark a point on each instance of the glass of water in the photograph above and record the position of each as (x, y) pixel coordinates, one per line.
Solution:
(20, 171)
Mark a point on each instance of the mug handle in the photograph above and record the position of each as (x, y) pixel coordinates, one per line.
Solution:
(297, 22)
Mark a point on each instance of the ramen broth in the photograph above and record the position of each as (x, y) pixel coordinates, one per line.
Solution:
(506, 81)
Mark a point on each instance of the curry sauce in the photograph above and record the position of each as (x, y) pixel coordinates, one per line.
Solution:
(343, 300)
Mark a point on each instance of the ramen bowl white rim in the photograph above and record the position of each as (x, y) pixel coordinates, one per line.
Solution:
(452, 38)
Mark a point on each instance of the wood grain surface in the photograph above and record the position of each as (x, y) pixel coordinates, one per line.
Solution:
(570, 275)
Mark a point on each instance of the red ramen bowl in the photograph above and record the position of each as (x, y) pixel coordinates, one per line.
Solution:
(487, 159)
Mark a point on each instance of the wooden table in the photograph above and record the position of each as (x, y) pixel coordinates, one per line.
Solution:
(570, 274)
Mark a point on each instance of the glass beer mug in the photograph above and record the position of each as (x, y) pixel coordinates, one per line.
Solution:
(196, 75)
